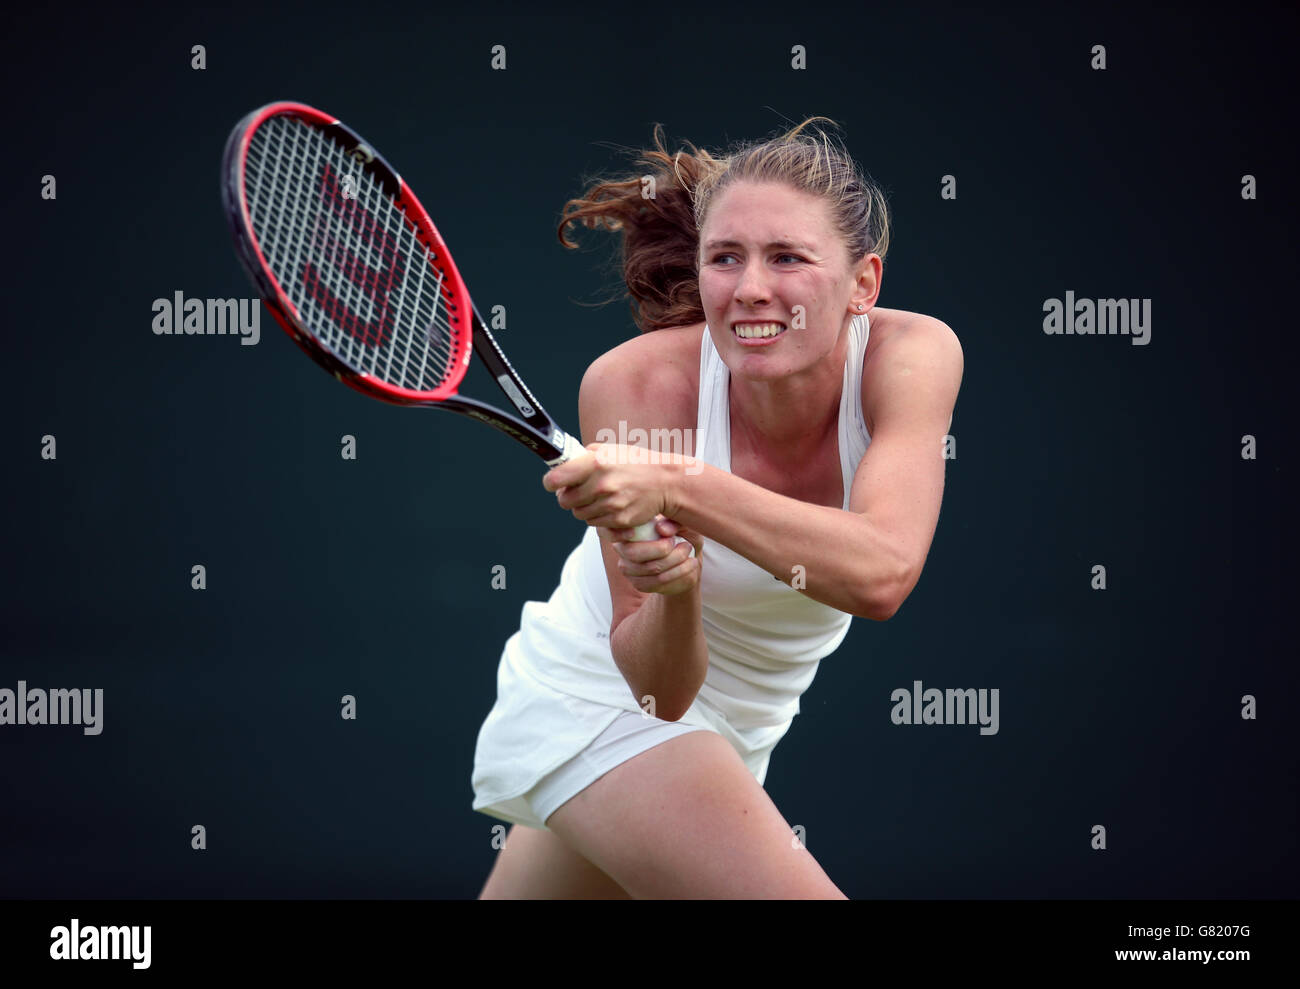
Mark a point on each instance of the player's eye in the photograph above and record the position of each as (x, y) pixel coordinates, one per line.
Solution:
(718, 259)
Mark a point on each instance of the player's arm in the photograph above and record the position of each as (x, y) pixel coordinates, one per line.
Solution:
(657, 639)
(866, 560)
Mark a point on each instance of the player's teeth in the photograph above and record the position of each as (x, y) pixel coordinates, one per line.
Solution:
(758, 330)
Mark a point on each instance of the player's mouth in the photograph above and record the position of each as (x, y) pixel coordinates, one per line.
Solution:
(757, 334)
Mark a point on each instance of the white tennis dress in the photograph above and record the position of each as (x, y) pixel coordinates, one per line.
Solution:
(564, 715)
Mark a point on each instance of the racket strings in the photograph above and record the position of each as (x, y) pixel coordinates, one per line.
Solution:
(347, 256)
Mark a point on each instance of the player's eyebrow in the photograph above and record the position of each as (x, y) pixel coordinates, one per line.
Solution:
(783, 245)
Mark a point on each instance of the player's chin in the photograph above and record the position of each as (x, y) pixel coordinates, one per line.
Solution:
(760, 375)
(758, 365)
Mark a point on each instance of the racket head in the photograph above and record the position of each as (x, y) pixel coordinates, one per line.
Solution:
(345, 257)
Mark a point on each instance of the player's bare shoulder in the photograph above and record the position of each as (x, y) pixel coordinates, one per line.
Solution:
(900, 340)
(650, 381)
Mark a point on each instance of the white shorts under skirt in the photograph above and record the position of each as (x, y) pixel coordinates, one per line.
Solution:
(539, 747)
(628, 735)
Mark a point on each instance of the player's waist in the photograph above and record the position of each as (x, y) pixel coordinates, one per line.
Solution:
(577, 661)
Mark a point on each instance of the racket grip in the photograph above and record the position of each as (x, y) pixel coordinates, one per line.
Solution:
(644, 533)
(573, 449)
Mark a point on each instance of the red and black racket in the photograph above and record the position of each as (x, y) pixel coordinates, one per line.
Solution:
(349, 263)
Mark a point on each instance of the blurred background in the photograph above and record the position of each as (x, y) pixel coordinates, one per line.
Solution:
(373, 577)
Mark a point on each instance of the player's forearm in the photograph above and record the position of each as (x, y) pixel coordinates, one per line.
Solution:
(839, 557)
(661, 652)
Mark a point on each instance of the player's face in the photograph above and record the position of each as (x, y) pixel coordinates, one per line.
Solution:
(770, 254)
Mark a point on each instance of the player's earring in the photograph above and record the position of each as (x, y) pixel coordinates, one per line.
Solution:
(859, 305)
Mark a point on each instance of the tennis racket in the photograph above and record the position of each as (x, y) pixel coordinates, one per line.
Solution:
(350, 265)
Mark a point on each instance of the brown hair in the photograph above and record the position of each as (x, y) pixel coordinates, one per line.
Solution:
(660, 243)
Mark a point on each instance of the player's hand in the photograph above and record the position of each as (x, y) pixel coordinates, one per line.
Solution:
(664, 565)
(615, 488)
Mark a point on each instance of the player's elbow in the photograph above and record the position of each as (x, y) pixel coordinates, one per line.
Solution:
(668, 703)
(882, 599)
(879, 608)
(668, 708)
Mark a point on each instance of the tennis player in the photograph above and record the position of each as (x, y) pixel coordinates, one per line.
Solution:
(638, 708)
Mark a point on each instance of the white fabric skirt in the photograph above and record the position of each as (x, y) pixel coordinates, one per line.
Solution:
(539, 746)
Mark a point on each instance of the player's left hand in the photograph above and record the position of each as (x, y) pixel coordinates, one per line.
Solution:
(616, 488)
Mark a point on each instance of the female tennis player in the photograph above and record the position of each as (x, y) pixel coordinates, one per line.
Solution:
(638, 708)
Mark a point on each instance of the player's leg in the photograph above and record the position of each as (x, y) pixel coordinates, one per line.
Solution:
(686, 819)
(537, 865)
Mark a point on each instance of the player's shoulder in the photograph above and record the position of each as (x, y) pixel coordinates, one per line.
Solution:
(657, 372)
(898, 329)
(660, 353)
(898, 335)
(902, 342)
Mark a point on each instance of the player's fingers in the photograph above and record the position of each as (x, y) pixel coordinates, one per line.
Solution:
(692, 537)
(653, 549)
(555, 478)
(663, 527)
(612, 514)
(659, 565)
(570, 473)
(680, 578)
(624, 537)
(578, 497)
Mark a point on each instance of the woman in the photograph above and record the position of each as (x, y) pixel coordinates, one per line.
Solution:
(637, 710)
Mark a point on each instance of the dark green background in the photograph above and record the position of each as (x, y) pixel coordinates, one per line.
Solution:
(372, 577)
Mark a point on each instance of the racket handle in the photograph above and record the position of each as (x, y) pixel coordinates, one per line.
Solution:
(573, 449)
(644, 533)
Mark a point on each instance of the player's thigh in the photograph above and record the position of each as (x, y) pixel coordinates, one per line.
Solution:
(686, 819)
(537, 865)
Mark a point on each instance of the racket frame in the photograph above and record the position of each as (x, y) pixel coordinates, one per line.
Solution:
(533, 427)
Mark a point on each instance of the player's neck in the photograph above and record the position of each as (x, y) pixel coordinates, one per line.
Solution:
(787, 420)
